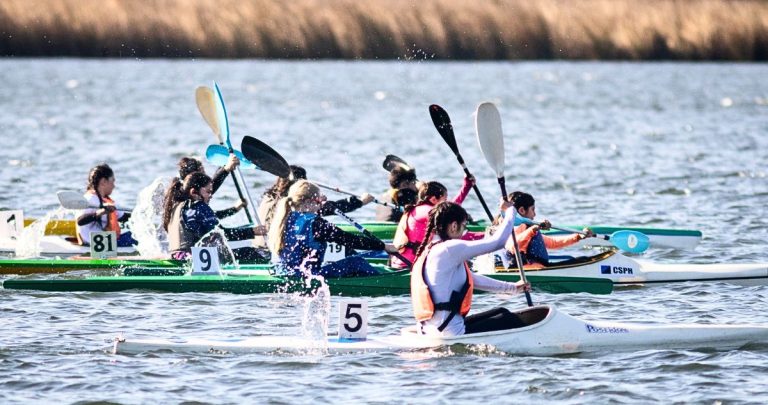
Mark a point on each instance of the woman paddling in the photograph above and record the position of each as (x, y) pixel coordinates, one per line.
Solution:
(299, 236)
(187, 166)
(442, 284)
(403, 188)
(534, 246)
(412, 226)
(101, 183)
(267, 208)
(191, 218)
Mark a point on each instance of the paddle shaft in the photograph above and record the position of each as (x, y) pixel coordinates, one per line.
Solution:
(338, 190)
(518, 257)
(474, 186)
(370, 235)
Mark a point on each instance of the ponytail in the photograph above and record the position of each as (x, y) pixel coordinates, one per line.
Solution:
(427, 190)
(276, 233)
(173, 195)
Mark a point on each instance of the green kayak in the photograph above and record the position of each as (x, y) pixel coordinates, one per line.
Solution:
(255, 279)
(35, 266)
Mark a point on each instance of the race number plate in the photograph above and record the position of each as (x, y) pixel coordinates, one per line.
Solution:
(11, 224)
(334, 252)
(205, 261)
(353, 320)
(103, 244)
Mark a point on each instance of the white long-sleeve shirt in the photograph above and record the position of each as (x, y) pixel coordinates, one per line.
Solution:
(444, 273)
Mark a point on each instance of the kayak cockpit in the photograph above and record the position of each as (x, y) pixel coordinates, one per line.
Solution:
(527, 317)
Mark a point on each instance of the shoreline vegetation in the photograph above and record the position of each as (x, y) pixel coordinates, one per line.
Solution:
(697, 30)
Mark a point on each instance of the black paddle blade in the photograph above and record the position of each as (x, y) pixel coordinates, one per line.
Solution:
(392, 161)
(443, 125)
(264, 157)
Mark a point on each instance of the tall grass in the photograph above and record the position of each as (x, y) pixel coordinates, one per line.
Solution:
(385, 29)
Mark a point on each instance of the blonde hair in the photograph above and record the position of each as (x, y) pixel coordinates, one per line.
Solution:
(299, 193)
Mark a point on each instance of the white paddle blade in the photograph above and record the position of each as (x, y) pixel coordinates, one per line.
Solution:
(221, 115)
(72, 200)
(206, 104)
(490, 137)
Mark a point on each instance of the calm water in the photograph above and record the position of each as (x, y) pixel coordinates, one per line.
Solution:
(668, 145)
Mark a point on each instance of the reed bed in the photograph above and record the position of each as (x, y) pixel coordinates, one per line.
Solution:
(388, 29)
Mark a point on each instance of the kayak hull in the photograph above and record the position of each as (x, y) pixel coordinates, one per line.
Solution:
(53, 243)
(626, 271)
(548, 332)
(259, 281)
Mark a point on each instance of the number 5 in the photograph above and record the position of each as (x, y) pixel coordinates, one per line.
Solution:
(353, 320)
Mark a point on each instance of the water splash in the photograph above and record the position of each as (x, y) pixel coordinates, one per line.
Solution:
(30, 240)
(147, 218)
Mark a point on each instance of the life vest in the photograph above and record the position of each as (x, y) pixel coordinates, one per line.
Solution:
(537, 250)
(424, 306)
(300, 247)
(112, 221)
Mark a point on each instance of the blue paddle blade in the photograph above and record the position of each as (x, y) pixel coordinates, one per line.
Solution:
(630, 241)
(219, 155)
(221, 113)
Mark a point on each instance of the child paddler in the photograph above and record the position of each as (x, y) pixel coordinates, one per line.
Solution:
(442, 284)
(412, 226)
(299, 236)
(534, 246)
(191, 218)
(101, 183)
(403, 192)
(187, 166)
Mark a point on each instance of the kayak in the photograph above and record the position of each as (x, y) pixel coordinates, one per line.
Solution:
(61, 245)
(256, 279)
(55, 242)
(547, 332)
(624, 271)
(35, 266)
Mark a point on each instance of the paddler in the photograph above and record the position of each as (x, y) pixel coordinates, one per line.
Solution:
(101, 183)
(442, 284)
(534, 246)
(411, 228)
(299, 237)
(279, 190)
(403, 192)
(188, 165)
(191, 219)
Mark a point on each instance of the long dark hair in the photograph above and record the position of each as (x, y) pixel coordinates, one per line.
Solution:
(428, 190)
(442, 215)
(102, 171)
(179, 192)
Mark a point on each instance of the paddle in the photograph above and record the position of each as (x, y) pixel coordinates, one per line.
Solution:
(72, 200)
(219, 155)
(443, 125)
(269, 160)
(491, 141)
(392, 161)
(214, 112)
(628, 241)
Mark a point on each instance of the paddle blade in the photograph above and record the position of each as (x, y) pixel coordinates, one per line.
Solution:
(221, 116)
(219, 156)
(206, 104)
(392, 161)
(264, 157)
(72, 200)
(630, 241)
(443, 125)
(490, 137)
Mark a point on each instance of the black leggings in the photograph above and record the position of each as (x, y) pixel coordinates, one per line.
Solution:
(495, 319)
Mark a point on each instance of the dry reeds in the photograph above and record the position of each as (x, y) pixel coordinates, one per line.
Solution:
(387, 29)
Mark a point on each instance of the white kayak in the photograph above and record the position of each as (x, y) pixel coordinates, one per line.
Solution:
(623, 270)
(548, 332)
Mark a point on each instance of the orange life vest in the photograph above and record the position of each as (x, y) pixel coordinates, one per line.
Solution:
(112, 221)
(421, 297)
